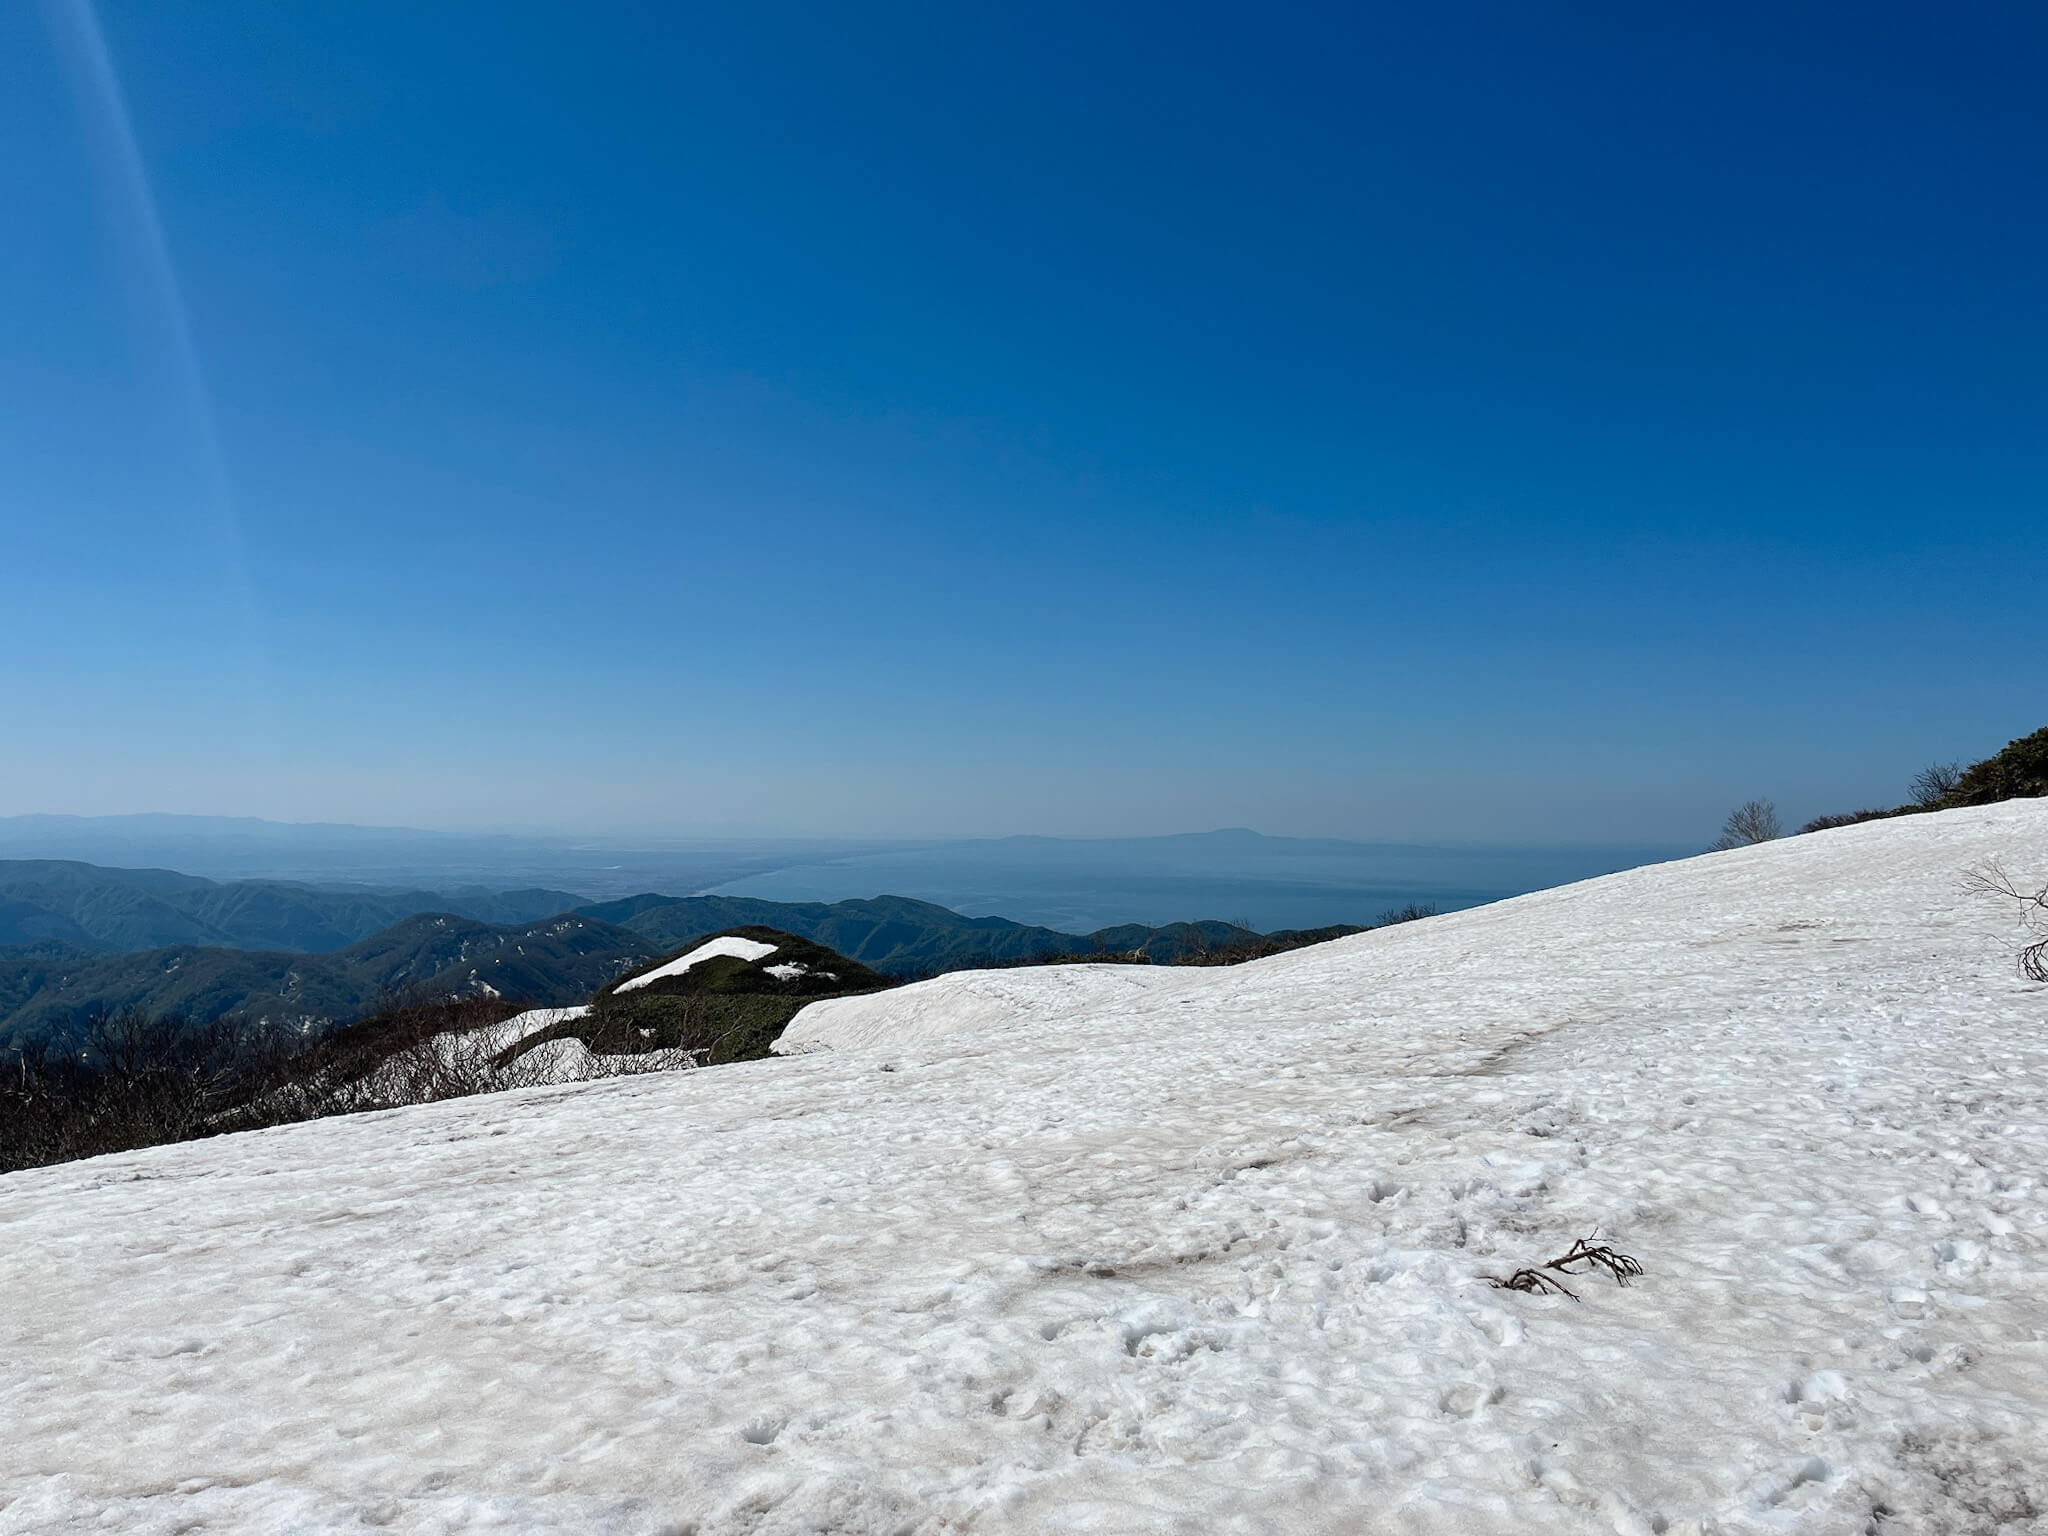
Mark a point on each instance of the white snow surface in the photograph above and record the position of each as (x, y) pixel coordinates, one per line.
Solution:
(1140, 1251)
(729, 944)
(970, 1003)
(531, 1022)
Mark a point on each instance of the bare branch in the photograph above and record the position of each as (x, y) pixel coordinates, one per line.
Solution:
(1992, 879)
(1932, 785)
(1753, 821)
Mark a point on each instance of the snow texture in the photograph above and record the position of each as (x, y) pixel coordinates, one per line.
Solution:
(789, 970)
(731, 944)
(1140, 1251)
(532, 1022)
(571, 1061)
(971, 1003)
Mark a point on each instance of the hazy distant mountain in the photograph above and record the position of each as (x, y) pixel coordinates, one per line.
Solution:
(326, 853)
(1070, 885)
(136, 909)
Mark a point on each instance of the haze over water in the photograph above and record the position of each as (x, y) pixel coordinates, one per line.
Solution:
(1239, 876)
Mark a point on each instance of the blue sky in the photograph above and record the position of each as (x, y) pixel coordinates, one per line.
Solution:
(1413, 422)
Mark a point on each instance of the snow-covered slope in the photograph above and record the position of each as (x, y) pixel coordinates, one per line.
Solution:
(1205, 1251)
(968, 1003)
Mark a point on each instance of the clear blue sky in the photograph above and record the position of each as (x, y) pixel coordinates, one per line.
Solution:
(1544, 423)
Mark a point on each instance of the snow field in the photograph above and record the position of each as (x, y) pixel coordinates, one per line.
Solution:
(1200, 1252)
(520, 1025)
(968, 1003)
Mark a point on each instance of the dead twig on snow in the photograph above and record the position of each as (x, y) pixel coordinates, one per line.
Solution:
(1585, 1252)
(1533, 1281)
(1597, 1256)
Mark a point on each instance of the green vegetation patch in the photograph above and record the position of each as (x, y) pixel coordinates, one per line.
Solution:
(723, 1008)
(2018, 772)
(795, 969)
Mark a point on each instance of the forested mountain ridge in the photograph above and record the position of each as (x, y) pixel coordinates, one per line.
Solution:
(561, 959)
(904, 937)
(51, 986)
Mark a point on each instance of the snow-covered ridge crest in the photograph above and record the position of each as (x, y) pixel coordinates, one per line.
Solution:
(727, 944)
(1207, 1253)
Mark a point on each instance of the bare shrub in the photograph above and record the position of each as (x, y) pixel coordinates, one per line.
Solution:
(1991, 879)
(1845, 819)
(1753, 821)
(593, 1067)
(451, 1065)
(133, 1081)
(1412, 912)
(1931, 786)
(489, 1057)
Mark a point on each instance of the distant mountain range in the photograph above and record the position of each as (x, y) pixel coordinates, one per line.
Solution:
(77, 937)
(93, 907)
(409, 858)
(1071, 885)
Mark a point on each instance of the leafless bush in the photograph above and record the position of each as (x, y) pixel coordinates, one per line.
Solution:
(1991, 879)
(136, 1081)
(669, 1058)
(451, 1065)
(132, 1081)
(1413, 912)
(1932, 785)
(489, 1058)
(1845, 819)
(1753, 821)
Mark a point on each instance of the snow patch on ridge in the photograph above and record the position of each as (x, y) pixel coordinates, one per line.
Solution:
(730, 944)
(532, 1022)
